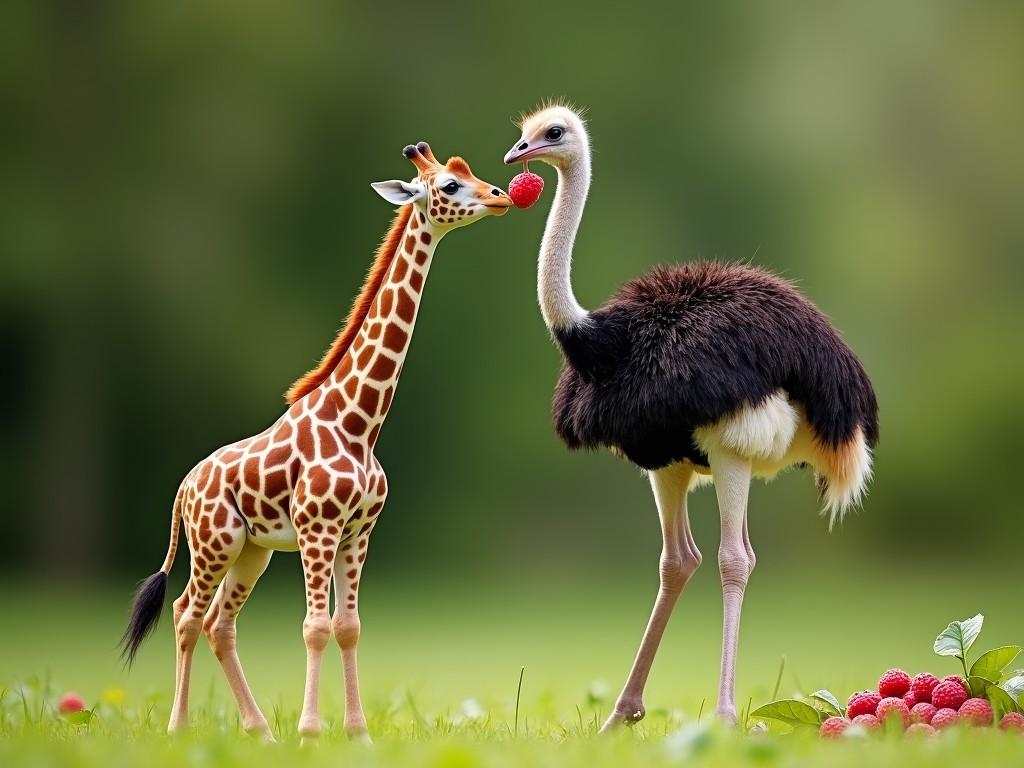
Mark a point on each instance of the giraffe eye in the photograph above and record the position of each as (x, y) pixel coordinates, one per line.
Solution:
(450, 188)
(554, 133)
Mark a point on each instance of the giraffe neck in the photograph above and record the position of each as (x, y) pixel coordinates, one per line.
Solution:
(368, 373)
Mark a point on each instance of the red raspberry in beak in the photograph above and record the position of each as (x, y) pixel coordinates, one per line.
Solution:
(525, 189)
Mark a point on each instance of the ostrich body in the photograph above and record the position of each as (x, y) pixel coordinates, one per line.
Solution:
(690, 371)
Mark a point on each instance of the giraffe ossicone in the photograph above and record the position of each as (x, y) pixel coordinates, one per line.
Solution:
(311, 481)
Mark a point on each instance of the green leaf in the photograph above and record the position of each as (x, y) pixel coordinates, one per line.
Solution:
(791, 711)
(958, 637)
(1001, 701)
(81, 717)
(979, 685)
(830, 701)
(992, 663)
(1015, 687)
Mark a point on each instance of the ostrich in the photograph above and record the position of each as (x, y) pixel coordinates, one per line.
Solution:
(695, 372)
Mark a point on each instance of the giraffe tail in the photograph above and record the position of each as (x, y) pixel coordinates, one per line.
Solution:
(149, 596)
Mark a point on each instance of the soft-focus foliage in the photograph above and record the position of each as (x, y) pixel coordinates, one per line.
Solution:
(185, 216)
(439, 673)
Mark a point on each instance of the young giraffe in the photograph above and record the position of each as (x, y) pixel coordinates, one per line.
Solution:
(311, 482)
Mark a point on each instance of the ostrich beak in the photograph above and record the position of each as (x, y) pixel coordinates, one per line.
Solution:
(523, 150)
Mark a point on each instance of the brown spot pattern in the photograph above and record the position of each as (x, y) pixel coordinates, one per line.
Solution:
(383, 368)
(406, 308)
(395, 338)
(312, 470)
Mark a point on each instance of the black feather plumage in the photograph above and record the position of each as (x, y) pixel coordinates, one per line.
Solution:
(681, 347)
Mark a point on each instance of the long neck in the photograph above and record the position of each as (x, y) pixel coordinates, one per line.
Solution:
(554, 270)
(368, 373)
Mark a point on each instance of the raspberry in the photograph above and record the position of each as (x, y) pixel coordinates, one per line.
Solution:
(1012, 721)
(910, 699)
(867, 722)
(863, 703)
(922, 712)
(922, 686)
(949, 694)
(833, 727)
(525, 189)
(70, 703)
(958, 679)
(895, 682)
(921, 729)
(976, 712)
(944, 718)
(893, 707)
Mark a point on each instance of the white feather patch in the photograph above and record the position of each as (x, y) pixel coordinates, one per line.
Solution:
(762, 431)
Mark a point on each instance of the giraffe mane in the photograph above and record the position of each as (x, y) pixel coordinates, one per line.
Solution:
(360, 309)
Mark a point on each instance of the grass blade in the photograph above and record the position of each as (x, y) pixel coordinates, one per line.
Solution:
(778, 680)
(519, 691)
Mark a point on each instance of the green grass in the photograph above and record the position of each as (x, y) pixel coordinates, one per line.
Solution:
(440, 665)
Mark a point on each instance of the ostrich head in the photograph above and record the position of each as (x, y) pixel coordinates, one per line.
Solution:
(554, 134)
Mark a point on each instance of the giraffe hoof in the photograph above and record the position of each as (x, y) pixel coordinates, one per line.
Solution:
(361, 736)
(310, 733)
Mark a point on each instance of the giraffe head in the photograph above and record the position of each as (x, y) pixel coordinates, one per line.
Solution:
(449, 195)
(554, 134)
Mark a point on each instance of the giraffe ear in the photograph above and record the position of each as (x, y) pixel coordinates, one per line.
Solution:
(400, 192)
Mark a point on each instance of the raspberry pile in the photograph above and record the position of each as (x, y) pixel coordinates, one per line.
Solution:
(920, 706)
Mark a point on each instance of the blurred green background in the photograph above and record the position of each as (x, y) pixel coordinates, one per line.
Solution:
(185, 216)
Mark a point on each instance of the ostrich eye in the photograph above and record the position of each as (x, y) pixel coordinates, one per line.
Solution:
(450, 188)
(554, 133)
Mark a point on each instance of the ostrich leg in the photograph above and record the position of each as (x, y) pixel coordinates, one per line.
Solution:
(679, 560)
(735, 563)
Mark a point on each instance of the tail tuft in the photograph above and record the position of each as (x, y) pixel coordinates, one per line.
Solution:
(146, 609)
(842, 476)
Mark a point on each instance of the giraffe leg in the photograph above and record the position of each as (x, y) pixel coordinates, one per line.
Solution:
(220, 629)
(679, 560)
(186, 629)
(735, 563)
(216, 551)
(347, 570)
(317, 567)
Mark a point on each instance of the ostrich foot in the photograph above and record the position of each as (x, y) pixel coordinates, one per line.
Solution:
(627, 712)
(261, 732)
(727, 715)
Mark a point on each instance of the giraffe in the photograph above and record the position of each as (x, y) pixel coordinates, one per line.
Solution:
(311, 481)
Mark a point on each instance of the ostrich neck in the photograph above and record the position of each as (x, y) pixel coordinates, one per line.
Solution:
(554, 274)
